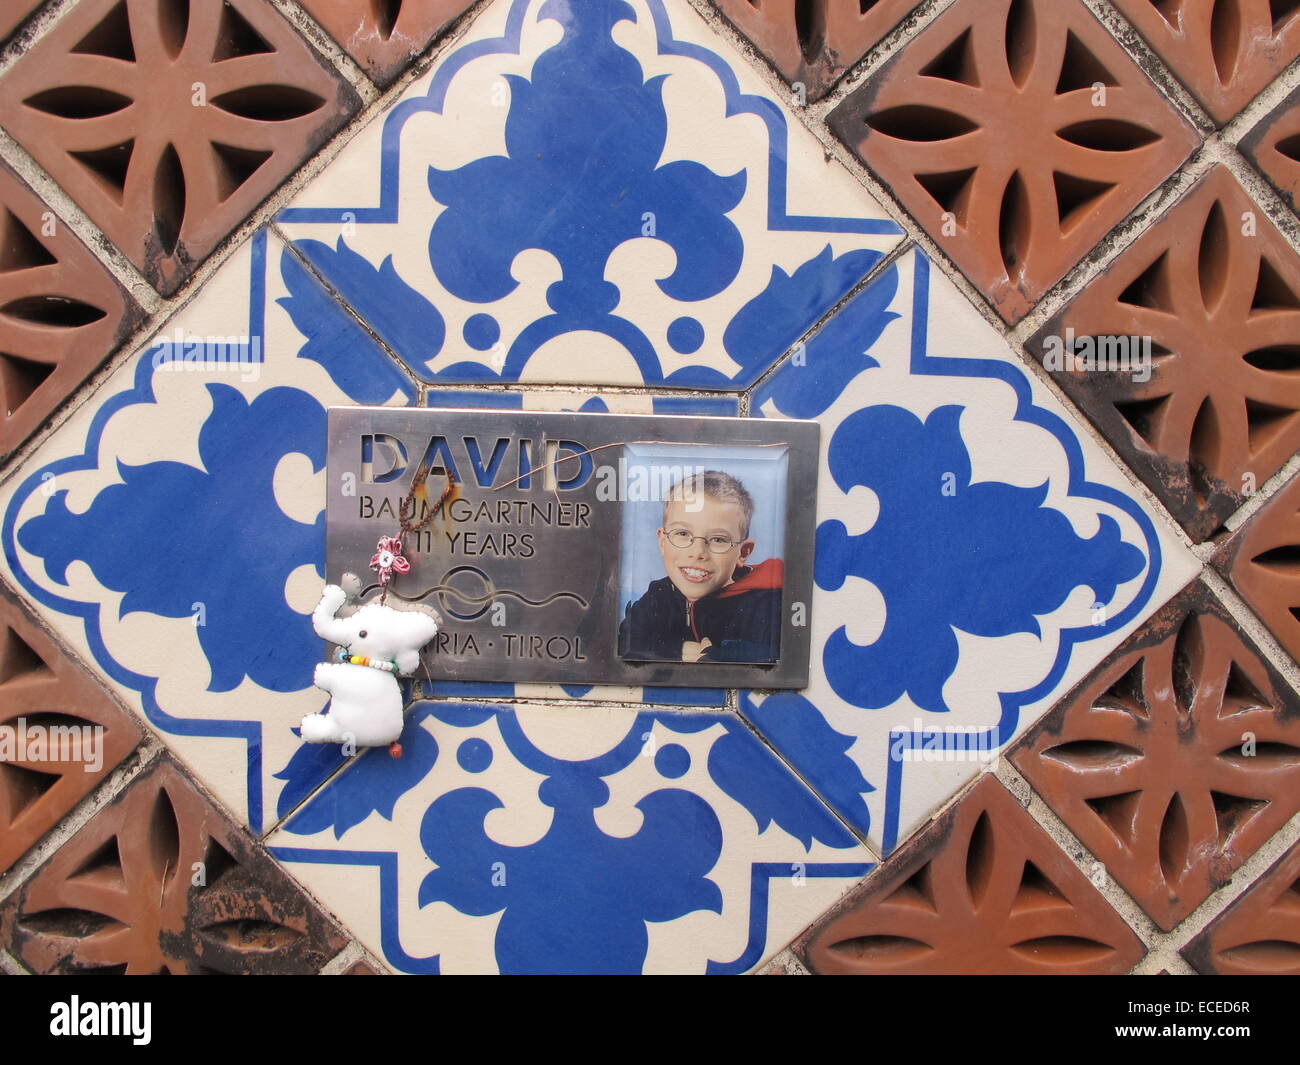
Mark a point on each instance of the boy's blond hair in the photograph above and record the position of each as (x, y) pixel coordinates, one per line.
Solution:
(714, 484)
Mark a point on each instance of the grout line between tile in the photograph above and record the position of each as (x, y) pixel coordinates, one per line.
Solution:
(892, 257)
(1127, 36)
(859, 836)
(539, 702)
(291, 249)
(580, 388)
(1263, 494)
(786, 963)
(343, 960)
(70, 214)
(279, 822)
(349, 956)
(41, 22)
(10, 966)
(1264, 102)
(329, 50)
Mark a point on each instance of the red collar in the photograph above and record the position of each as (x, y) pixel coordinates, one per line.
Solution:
(770, 573)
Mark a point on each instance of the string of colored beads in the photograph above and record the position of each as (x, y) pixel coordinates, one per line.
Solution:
(363, 660)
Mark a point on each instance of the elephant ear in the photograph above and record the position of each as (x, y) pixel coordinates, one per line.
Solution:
(417, 627)
(422, 626)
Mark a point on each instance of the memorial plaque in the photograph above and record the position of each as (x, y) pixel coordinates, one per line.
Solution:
(587, 548)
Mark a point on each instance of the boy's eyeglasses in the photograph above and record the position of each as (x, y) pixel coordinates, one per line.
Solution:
(719, 545)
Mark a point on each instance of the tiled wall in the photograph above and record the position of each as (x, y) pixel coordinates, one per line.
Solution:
(1053, 723)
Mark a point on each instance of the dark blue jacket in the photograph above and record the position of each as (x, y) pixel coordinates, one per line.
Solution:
(742, 621)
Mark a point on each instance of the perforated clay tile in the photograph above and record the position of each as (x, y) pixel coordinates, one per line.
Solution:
(1176, 760)
(1199, 321)
(1260, 560)
(983, 890)
(1224, 51)
(168, 122)
(60, 733)
(159, 881)
(1016, 133)
(1259, 934)
(61, 312)
(813, 43)
(385, 37)
(1273, 145)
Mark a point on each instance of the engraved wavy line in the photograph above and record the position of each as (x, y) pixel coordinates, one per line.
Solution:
(474, 600)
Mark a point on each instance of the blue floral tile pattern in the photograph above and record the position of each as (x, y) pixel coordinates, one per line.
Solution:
(172, 529)
(570, 840)
(976, 552)
(678, 227)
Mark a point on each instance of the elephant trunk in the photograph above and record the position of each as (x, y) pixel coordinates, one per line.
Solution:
(327, 626)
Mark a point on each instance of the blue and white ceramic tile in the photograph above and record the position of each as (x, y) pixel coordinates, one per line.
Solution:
(570, 839)
(597, 192)
(172, 529)
(976, 552)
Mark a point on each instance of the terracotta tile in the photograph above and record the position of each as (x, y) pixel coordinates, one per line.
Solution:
(1017, 133)
(1176, 760)
(984, 890)
(1259, 934)
(160, 881)
(1260, 560)
(14, 14)
(813, 44)
(44, 775)
(61, 312)
(362, 968)
(168, 123)
(1224, 51)
(1274, 146)
(385, 37)
(1216, 288)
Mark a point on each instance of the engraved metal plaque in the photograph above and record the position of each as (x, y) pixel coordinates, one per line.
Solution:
(587, 548)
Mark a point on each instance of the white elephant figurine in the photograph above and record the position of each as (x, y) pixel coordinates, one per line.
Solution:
(377, 643)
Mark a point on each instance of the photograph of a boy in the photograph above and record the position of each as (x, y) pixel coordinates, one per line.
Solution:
(711, 606)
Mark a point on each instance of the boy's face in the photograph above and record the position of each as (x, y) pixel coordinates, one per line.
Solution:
(696, 571)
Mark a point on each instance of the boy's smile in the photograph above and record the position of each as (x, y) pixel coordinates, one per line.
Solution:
(695, 570)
